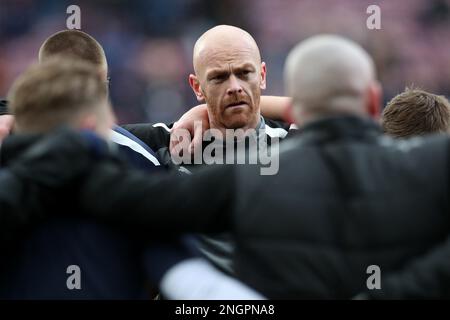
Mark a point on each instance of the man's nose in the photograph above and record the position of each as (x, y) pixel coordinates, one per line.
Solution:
(234, 86)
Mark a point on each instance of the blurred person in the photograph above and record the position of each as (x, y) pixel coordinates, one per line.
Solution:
(344, 216)
(75, 44)
(80, 45)
(57, 93)
(416, 112)
(411, 113)
(39, 185)
(64, 92)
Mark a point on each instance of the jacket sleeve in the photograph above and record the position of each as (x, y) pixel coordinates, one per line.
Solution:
(156, 136)
(425, 277)
(11, 215)
(20, 206)
(70, 168)
(30, 186)
(160, 204)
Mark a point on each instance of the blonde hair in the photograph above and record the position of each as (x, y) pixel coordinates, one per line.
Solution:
(56, 92)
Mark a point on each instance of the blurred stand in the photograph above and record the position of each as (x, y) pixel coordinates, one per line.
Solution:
(149, 43)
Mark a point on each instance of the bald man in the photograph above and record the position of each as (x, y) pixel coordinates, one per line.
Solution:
(229, 77)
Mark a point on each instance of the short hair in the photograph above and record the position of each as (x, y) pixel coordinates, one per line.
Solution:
(416, 112)
(74, 43)
(56, 93)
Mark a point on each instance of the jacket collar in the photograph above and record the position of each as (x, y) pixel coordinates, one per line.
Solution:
(62, 140)
(15, 145)
(340, 128)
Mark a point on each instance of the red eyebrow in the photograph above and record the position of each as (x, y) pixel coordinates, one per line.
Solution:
(226, 71)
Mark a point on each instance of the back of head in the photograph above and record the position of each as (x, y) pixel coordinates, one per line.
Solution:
(327, 75)
(58, 92)
(76, 44)
(416, 112)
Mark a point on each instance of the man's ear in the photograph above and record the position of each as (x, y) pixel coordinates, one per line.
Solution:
(374, 97)
(195, 85)
(263, 76)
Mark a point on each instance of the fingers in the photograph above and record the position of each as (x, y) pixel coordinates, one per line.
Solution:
(178, 142)
(186, 142)
(199, 128)
(195, 122)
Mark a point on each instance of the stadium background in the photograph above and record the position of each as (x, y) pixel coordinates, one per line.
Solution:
(149, 43)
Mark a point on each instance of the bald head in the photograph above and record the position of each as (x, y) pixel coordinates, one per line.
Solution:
(222, 39)
(229, 77)
(328, 75)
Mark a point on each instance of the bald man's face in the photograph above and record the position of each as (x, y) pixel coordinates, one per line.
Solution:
(230, 79)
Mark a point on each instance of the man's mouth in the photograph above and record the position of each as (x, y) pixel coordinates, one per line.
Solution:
(237, 104)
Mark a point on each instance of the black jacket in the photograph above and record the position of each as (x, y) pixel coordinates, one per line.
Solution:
(25, 194)
(34, 245)
(345, 198)
(65, 168)
(217, 249)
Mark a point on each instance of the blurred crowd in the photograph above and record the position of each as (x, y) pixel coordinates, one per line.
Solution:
(149, 43)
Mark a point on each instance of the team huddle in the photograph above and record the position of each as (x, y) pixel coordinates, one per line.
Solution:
(181, 211)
